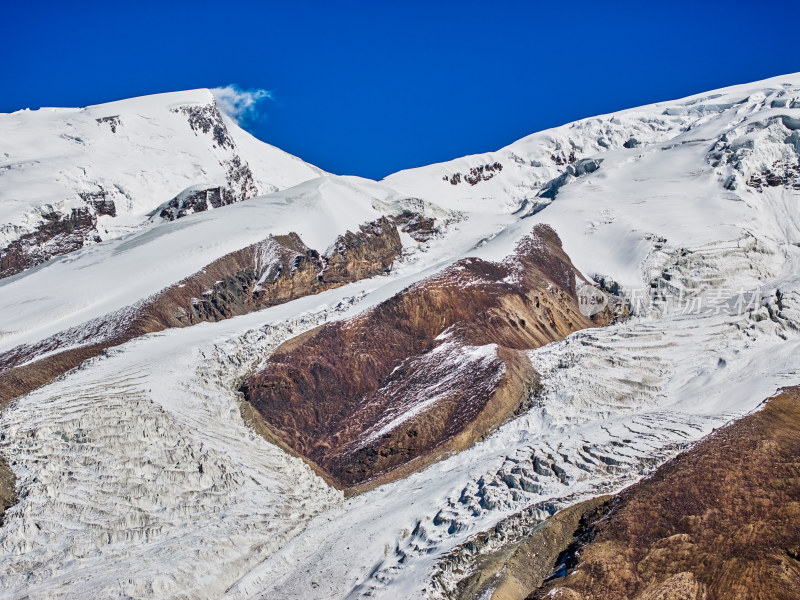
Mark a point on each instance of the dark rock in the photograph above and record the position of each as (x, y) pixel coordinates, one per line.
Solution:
(476, 174)
(59, 234)
(113, 122)
(683, 534)
(241, 186)
(368, 252)
(100, 202)
(207, 119)
(420, 228)
(276, 270)
(198, 201)
(632, 143)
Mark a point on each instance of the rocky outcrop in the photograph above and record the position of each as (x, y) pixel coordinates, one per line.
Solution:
(475, 174)
(58, 234)
(720, 521)
(192, 201)
(100, 202)
(208, 120)
(419, 227)
(513, 570)
(428, 371)
(781, 174)
(276, 270)
(64, 230)
(8, 496)
(367, 252)
(112, 121)
(240, 182)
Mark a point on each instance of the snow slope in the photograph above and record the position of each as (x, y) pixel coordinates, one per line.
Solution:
(102, 278)
(141, 152)
(140, 477)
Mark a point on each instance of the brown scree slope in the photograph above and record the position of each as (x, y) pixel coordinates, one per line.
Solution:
(276, 270)
(429, 371)
(719, 522)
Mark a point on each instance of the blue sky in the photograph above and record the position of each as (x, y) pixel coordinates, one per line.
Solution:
(369, 88)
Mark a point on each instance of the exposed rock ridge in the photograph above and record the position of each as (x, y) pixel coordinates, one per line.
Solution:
(512, 570)
(475, 174)
(59, 234)
(430, 370)
(277, 270)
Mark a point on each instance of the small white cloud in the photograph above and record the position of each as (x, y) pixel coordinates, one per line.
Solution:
(243, 106)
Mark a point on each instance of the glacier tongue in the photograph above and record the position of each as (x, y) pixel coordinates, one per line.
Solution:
(156, 477)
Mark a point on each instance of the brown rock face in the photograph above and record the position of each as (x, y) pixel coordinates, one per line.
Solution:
(100, 202)
(277, 270)
(58, 234)
(512, 571)
(8, 496)
(420, 228)
(430, 370)
(719, 522)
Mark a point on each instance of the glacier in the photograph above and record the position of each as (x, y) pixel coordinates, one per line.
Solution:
(138, 476)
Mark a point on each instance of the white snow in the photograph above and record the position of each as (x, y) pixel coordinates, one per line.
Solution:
(102, 278)
(48, 156)
(108, 456)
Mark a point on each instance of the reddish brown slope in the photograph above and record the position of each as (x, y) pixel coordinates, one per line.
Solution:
(428, 371)
(276, 270)
(720, 522)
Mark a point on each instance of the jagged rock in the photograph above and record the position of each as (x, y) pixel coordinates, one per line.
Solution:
(59, 234)
(368, 252)
(513, 569)
(208, 119)
(113, 122)
(476, 174)
(420, 228)
(192, 201)
(100, 202)
(240, 179)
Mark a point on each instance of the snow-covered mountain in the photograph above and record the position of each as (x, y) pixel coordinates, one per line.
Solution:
(71, 177)
(151, 452)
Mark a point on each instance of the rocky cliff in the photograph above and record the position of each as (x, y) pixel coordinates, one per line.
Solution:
(59, 234)
(719, 521)
(75, 176)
